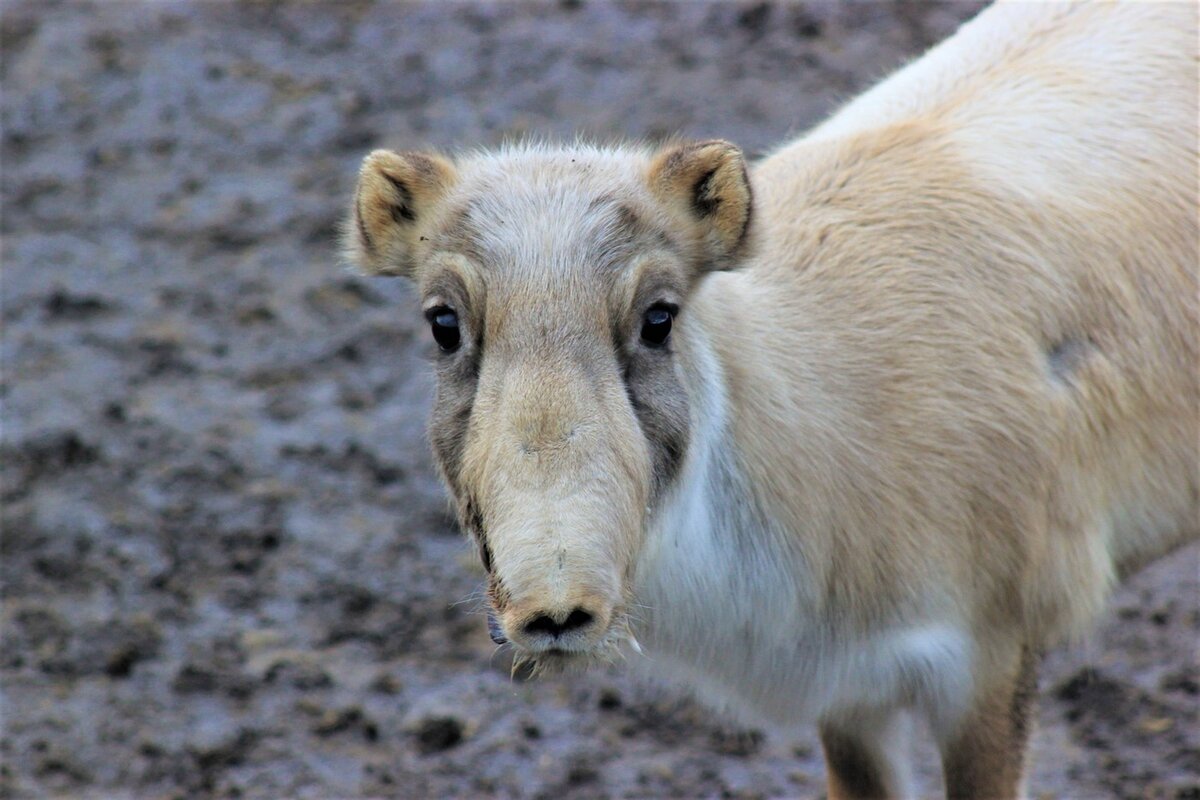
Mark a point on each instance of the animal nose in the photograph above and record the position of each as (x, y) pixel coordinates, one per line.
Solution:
(557, 625)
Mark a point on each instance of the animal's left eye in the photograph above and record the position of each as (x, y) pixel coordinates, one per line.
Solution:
(443, 322)
(656, 324)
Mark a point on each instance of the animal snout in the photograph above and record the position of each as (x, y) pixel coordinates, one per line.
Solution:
(572, 627)
(555, 625)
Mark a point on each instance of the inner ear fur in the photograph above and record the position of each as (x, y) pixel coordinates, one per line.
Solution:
(396, 194)
(704, 185)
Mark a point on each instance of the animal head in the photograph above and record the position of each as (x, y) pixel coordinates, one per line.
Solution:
(555, 282)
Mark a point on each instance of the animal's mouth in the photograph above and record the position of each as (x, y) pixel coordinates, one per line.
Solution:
(556, 661)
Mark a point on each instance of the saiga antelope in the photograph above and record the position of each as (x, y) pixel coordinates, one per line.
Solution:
(855, 432)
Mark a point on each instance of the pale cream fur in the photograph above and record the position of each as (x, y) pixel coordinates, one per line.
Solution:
(948, 395)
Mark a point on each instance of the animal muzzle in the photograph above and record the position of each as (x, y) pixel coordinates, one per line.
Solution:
(559, 628)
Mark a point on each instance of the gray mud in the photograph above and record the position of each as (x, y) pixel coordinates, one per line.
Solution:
(228, 569)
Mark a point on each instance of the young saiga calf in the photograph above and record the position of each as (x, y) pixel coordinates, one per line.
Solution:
(855, 431)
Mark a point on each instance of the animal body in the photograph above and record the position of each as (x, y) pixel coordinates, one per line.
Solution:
(853, 432)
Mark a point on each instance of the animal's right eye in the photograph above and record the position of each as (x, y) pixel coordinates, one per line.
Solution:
(656, 324)
(443, 322)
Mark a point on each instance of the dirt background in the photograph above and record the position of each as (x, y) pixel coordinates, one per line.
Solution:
(228, 569)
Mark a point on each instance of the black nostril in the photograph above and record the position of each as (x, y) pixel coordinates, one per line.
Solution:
(577, 619)
(547, 624)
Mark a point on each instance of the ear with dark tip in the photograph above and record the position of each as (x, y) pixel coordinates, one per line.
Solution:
(396, 194)
(705, 187)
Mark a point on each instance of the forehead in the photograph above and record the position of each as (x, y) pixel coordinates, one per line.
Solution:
(550, 217)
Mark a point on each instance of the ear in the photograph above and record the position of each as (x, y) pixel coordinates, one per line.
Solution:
(396, 194)
(705, 187)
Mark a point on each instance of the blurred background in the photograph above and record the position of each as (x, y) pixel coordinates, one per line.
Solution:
(227, 567)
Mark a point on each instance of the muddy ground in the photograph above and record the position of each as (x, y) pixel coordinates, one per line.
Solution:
(228, 569)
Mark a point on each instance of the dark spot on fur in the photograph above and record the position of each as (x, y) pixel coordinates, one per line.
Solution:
(703, 200)
(629, 220)
(402, 214)
(402, 211)
(1064, 358)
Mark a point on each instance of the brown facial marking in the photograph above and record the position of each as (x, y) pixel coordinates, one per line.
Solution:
(457, 377)
(650, 375)
(453, 404)
(661, 407)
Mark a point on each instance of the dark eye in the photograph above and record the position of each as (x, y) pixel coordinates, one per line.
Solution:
(443, 322)
(656, 324)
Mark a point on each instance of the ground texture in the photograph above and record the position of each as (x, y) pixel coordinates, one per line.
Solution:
(228, 569)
